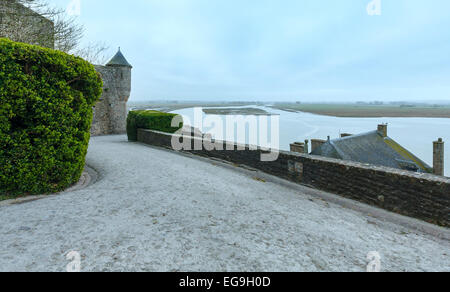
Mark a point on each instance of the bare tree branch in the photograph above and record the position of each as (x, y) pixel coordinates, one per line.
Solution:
(45, 25)
(93, 52)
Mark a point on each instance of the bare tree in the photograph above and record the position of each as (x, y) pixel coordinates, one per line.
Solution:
(36, 22)
(93, 52)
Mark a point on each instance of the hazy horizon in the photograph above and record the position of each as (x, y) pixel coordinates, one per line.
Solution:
(218, 101)
(291, 50)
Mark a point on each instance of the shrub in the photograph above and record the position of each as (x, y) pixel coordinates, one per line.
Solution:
(46, 100)
(151, 120)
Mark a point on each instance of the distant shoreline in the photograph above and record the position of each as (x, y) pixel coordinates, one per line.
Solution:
(367, 111)
(174, 106)
(334, 110)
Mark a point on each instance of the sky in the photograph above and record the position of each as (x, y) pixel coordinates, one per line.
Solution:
(276, 50)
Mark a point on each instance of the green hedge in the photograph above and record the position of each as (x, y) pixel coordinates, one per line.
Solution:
(46, 100)
(151, 120)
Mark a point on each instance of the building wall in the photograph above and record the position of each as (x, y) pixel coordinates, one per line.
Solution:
(110, 113)
(422, 196)
(21, 24)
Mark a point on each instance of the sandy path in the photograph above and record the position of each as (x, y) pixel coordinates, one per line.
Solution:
(154, 210)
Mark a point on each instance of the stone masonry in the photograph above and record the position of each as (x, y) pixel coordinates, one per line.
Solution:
(438, 157)
(110, 113)
(422, 196)
(21, 24)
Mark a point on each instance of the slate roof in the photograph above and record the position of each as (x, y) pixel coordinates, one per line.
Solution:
(119, 60)
(372, 148)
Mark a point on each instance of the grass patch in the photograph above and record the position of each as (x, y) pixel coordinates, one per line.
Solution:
(368, 111)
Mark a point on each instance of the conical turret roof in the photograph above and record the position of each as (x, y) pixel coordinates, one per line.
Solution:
(119, 60)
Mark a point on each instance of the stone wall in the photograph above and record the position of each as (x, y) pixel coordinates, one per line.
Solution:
(422, 196)
(20, 24)
(110, 113)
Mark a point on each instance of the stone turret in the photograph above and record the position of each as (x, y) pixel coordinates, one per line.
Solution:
(123, 75)
(110, 113)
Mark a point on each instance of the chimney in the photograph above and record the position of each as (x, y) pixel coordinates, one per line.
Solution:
(306, 146)
(298, 147)
(316, 143)
(438, 157)
(382, 129)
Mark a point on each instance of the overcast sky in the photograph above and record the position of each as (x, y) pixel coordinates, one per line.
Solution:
(297, 50)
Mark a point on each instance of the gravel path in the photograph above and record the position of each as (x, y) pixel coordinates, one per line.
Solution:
(155, 210)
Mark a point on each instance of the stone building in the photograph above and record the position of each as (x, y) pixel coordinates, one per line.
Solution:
(377, 148)
(21, 24)
(110, 113)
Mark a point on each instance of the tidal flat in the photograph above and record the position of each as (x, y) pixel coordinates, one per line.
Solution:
(237, 111)
(368, 111)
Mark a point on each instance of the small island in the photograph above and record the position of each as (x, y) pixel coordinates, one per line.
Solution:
(237, 111)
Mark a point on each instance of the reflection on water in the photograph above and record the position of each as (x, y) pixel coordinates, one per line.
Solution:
(415, 134)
